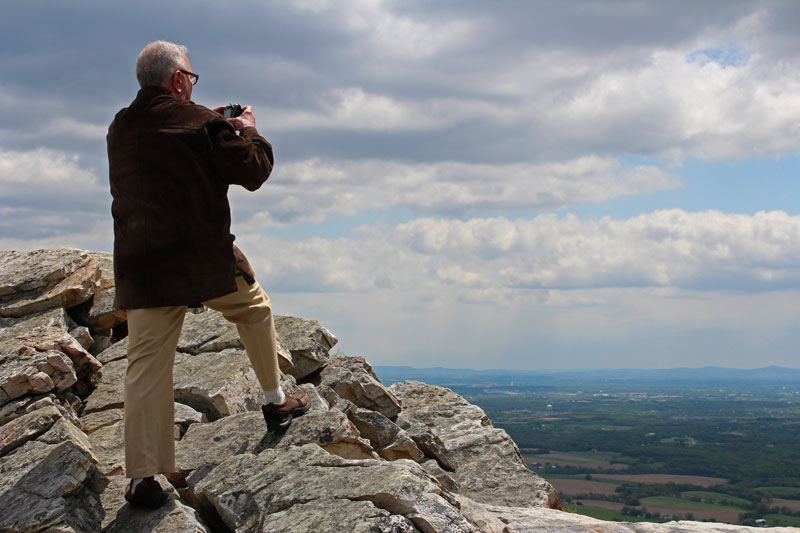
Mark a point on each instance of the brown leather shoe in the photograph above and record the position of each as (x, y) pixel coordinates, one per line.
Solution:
(280, 415)
(148, 493)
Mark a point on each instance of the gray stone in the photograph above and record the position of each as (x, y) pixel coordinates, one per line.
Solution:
(93, 421)
(27, 427)
(83, 336)
(444, 478)
(102, 342)
(110, 390)
(28, 404)
(307, 341)
(185, 416)
(207, 332)
(114, 352)
(246, 489)
(31, 282)
(328, 515)
(428, 443)
(217, 384)
(469, 437)
(64, 430)
(50, 487)
(353, 379)
(98, 312)
(401, 448)
(373, 426)
(108, 443)
(331, 430)
(213, 443)
(38, 355)
(172, 517)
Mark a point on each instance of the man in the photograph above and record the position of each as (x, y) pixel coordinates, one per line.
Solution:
(170, 164)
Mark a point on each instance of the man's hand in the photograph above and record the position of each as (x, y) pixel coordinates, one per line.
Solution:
(242, 121)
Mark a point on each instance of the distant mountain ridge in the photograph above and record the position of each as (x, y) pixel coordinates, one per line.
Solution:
(710, 374)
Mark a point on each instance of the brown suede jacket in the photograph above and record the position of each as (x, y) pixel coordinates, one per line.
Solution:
(170, 164)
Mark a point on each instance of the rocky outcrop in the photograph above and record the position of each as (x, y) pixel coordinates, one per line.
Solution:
(365, 458)
(469, 438)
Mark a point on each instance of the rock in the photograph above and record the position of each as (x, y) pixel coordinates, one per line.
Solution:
(50, 487)
(93, 421)
(470, 439)
(31, 282)
(26, 428)
(114, 352)
(352, 378)
(38, 355)
(173, 517)
(307, 341)
(17, 408)
(330, 429)
(110, 390)
(246, 489)
(83, 336)
(207, 332)
(373, 426)
(428, 443)
(64, 430)
(402, 448)
(328, 515)
(217, 384)
(185, 416)
(444, 478)
(108, 443)
(213, 443)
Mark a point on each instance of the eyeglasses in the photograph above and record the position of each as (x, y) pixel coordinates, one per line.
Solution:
(192, 76)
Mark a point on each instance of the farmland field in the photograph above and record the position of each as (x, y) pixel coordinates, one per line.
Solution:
(705, 443)
(581, 486)
(700, 481)
(701, 511)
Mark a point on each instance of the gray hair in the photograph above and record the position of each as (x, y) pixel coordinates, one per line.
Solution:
(158, 61)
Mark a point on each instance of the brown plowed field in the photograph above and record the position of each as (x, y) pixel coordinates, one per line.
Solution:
(794, 505)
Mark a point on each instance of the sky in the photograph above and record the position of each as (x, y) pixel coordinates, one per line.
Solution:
(519, 184)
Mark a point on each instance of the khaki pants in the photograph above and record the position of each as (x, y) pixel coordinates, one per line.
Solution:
(154, 333)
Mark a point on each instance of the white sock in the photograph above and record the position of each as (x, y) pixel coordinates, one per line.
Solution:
(274, 396)
(135, 482)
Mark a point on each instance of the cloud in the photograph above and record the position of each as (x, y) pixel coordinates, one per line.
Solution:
(490, 258)
(48, 196)
(315, 189)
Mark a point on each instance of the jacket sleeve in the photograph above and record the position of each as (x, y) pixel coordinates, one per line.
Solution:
(244, 159)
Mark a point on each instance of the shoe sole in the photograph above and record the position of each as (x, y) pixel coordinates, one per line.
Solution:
(282, 423)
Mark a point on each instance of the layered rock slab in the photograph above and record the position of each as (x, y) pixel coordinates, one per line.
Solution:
(53, 487)
(173, 517)
(469, 437)
(246, 489)
(307, 341)
(38, 355)
(353, 379)
(31, 282)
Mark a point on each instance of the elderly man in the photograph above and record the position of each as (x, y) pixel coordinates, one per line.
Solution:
(170, 164)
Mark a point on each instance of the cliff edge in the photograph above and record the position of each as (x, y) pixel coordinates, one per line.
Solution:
(366, 458)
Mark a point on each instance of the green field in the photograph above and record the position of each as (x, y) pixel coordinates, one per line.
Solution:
(792, 493)
(716, 497)
(781, 520)
(689, 504)
(604, 514)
